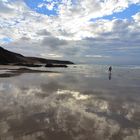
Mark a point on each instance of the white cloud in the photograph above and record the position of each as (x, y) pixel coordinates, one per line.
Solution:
(137, 17)
(71, 21)
(96, 56)
(51, 55)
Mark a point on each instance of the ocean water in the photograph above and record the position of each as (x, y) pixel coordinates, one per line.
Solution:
(81, 102)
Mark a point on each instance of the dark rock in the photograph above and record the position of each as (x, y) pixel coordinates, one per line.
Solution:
(56, 65)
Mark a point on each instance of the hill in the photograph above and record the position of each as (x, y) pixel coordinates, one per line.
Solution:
(8, 57)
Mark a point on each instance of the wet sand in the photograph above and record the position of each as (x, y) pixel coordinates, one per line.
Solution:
(16, 71)
(77, 104)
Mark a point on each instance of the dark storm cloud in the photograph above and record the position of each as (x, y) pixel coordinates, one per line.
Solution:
(53, 42)
(43, 32)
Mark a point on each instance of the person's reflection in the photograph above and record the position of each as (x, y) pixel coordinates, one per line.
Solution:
(109, 75)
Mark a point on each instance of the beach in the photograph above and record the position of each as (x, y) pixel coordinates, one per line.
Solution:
(81, 102)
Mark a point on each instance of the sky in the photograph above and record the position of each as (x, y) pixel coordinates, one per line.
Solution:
(83, 31)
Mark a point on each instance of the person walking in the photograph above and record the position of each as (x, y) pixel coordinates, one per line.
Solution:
(109, 74)
(110, 69)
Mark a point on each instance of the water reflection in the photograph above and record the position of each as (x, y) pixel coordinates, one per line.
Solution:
(109, 75)
(69, 107)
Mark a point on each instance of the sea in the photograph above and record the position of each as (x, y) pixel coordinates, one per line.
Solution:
(81, 102)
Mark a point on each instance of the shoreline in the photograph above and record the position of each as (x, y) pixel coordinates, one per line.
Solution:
(9, 72)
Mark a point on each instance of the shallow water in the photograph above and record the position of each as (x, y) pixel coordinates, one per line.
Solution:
(79, 103)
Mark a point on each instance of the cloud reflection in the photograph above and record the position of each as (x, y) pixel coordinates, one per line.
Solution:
(44, 107)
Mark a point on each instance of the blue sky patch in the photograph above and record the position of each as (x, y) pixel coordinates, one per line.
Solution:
(34, 5)
(6, 40)
(126, 14)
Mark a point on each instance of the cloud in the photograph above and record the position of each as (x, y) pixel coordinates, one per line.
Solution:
(71, 33)
(58, 101)
(4, 8)
(96, 56)
(43, 32)
(51, 55)
(53, 42)
(137, 17)
(49, 6)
